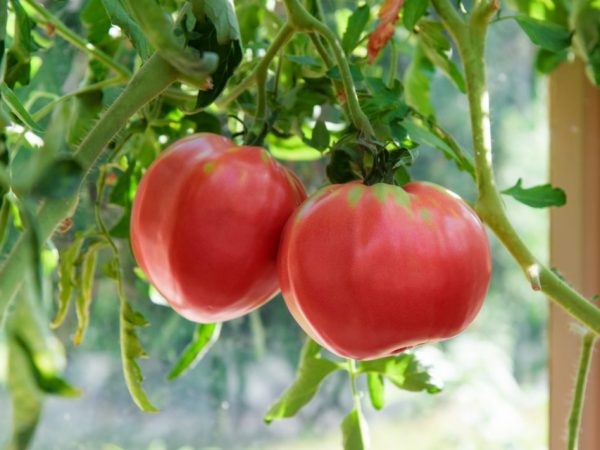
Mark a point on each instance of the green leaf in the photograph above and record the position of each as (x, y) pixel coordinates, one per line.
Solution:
(131, 350)
(204, 338)
(405, 371)
(120, 17)
(312, 370)
(66, 279)
(320, 136)
(548, 35)
(376, 390)
(26, 399)
(585, 21)
(230, 56)
(356, 25)
(355, 431)
(222, 15)
(417, 82)
(546, 61)
(84, 299)
(413, 10)
(419, 131)
(335, 74)
(436, 46)
(18, 57)
(18, 109)
(542, 196)
(60, 179)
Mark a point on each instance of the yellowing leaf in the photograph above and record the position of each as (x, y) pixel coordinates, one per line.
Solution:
(388, 16)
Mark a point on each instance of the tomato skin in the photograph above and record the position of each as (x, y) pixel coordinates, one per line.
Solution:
(206, 224)
(369, 271)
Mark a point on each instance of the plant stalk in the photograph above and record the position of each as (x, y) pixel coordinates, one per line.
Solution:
(574, 423)
(470, 39)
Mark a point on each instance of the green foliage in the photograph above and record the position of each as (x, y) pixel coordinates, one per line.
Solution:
(547, 35)
(312, 371)
(205, 336)
(355, 27)
(412, 11)
(354, 431)
(542, 196)
(375, 383)
(405, 371)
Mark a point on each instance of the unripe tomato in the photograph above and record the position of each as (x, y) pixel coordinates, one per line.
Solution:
(206, 224)
(369, 271)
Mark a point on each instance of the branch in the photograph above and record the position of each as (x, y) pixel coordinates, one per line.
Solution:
(470, 41)
(574, 422)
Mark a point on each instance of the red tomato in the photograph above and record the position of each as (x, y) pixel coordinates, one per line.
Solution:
(206, 224)
(369, 271)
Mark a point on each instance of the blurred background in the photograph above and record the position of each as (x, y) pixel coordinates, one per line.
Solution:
(494, 374)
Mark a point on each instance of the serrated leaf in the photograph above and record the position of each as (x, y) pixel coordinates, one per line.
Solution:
(376, 390)
(66, 279)
(548, 35)
(437, 47)
(84, 297)
(320, 136)
(312, 370)
(18, 109)
(355, 435)
(354, 28)
(404, 371)
(412, 11)
(85, 110)
(131, 350)
(542, 196)
(205, 336)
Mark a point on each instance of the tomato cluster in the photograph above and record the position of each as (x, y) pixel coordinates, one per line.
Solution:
(366, 271)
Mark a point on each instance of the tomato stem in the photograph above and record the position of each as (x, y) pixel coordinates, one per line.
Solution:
(302, 20)
(353, 373)
(574, 422)
(470, 39)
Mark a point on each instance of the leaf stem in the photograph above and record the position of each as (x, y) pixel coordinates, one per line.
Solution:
(302, 20)
(574, 422)
(69, 36)
(470, 40)
(258, 75)
(353, 373)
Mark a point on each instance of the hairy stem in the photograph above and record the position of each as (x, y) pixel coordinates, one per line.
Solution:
(470, 40)
(574, 422)
(152, 79)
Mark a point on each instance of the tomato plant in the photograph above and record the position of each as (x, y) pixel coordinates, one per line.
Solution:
(206, 224)
(371, 271)
(172, 130)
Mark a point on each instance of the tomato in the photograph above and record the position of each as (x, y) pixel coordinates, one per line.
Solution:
(206, 224)
(369, 271)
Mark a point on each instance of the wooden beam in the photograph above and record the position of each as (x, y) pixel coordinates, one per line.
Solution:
(574, 241)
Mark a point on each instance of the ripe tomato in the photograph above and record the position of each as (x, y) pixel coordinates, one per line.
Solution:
(206, 224)
(369, 271)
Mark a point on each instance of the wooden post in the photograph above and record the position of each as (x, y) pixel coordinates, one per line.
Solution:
(574, 241)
